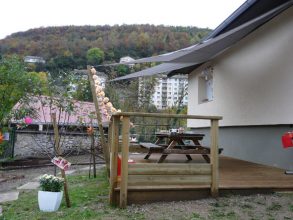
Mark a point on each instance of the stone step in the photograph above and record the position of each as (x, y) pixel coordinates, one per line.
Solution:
(9, 196)
(29, 186)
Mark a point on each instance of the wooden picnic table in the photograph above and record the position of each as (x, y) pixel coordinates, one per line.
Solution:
(175, 143)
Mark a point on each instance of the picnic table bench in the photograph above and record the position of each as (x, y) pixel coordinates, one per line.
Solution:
(175, 145)
(153, 148)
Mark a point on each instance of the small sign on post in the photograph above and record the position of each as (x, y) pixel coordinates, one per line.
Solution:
(62, 163)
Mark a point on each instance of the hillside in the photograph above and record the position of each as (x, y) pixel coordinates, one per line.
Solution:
(68, 45)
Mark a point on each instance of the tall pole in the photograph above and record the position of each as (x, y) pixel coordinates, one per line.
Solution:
(99, 118)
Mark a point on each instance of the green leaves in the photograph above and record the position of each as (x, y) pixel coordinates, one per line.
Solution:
(95, 56)
(15, 84)
(51, 183)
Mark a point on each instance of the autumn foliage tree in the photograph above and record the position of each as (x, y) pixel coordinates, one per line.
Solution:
(15, 84)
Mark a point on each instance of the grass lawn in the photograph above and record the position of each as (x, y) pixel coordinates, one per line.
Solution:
(89, 200)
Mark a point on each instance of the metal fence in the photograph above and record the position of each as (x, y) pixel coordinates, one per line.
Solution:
(8, 145)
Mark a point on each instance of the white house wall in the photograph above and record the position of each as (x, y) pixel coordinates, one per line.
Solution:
(253, 80)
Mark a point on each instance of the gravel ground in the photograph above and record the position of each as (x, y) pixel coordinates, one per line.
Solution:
(270, 206)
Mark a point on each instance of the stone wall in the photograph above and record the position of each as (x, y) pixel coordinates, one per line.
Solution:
(40, 144)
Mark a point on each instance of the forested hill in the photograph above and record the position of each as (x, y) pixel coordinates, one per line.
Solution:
(73, 42)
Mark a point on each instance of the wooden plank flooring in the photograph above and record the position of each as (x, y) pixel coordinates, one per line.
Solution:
(239, 174)
(235, 173)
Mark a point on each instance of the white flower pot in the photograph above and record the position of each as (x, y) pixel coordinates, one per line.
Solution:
(49, 201)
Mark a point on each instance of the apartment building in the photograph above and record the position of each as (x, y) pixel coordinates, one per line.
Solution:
(169, 91)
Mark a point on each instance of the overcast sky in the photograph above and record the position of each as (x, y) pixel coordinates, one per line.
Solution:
(21, 15)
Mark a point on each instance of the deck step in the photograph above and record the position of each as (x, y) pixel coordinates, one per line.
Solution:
(170, 187)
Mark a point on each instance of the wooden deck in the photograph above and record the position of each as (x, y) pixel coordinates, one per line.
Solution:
(236, 176)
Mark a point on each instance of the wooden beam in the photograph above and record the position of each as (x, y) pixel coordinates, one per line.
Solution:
(214, 157)
(109, 141)
(169, 169)
(114, 157)
(99, 118)
(154, 180)
(160, 115)
(124, 162)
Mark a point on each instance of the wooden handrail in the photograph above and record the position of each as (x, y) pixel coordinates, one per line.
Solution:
(163, 115)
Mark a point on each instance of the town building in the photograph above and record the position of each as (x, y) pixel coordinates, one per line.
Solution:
(36, 138)
(169, 91)
(34, 59)
(126, 59)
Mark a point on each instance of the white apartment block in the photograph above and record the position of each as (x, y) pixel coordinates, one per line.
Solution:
(169, 91)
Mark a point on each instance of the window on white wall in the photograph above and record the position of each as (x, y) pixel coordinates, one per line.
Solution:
(205, 85)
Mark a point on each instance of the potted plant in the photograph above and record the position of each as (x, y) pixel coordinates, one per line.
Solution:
(50, 195)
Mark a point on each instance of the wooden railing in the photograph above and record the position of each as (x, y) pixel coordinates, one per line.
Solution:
(140, 174)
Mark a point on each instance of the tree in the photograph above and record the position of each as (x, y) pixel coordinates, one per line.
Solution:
(15, 84)
(82, 89)
(146, 90)
(95, 56)
(122, 70)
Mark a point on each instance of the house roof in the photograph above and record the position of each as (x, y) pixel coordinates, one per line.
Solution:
(249, 10)
(251, 15)
(79, 115)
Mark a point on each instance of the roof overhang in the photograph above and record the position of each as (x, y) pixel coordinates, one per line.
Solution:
(188, 59)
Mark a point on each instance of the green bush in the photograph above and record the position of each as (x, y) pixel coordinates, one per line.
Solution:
(51, 183)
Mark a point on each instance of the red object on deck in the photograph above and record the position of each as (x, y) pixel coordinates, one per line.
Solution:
(287, 139)
(119, 165)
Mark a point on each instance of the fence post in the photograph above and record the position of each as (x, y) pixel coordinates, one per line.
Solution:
(215, 157)
(109, 137)
(124, 161)
(113, 157)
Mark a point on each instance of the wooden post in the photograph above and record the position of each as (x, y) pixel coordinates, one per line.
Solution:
(58, 152)
(99, 118)
(215, 157)
(93, 151)
(109, 142)
(114, 157)
(124, 161)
